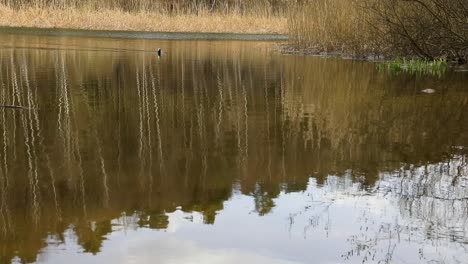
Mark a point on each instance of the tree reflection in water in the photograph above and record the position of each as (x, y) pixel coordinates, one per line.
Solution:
(119, 142)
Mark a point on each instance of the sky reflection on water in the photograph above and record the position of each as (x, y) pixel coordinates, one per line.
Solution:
(337, 218)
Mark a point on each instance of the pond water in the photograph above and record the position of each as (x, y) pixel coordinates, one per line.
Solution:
(225, 152)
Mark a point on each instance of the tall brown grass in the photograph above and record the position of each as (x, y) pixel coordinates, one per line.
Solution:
(117, 19)
(329, 26)
(233, 16)
(257, 7)
(424, 28)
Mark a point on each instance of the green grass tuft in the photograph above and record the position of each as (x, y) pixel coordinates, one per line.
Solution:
(436, 67)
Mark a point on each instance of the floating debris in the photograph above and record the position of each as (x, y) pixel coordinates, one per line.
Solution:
(429, 91)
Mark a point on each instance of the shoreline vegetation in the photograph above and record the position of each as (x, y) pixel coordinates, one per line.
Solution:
(119, 20)
(428, 30)
(419, 29)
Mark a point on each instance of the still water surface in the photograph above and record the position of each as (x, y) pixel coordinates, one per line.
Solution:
(225, 152)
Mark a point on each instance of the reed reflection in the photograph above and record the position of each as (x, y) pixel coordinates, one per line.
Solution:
(122, 135)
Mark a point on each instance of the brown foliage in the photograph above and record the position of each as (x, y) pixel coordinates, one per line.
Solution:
(107, 19)
(424, 28)
(263, 7)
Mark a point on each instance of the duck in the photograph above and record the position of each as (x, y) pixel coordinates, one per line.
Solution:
(159, 52)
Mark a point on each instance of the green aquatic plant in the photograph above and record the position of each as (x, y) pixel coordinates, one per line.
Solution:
(416, 66)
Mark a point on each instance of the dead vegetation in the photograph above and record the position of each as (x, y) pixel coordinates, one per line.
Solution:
(139, 21)
(427, 29)
(233, 16)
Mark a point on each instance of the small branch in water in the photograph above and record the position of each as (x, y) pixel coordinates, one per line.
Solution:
(14, 107)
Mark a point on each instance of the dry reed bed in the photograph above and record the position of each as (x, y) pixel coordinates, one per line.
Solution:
(426, 29)
(330, 26)
(115, 19)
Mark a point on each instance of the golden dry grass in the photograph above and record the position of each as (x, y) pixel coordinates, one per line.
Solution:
(367, 28)
(107, 19)
(330, 26)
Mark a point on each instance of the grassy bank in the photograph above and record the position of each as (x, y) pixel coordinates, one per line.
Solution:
(143, 20)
